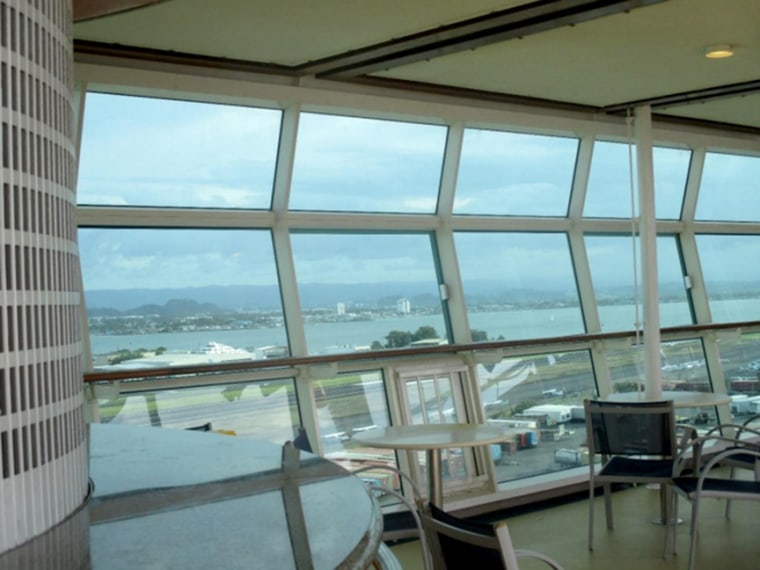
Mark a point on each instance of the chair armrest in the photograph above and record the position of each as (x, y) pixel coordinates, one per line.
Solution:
(720, 447)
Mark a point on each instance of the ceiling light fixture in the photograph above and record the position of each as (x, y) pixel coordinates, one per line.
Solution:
(719, 51)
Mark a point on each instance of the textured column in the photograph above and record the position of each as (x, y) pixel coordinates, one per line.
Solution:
(43, 443)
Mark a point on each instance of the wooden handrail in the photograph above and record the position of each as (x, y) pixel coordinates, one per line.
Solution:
(369, 355)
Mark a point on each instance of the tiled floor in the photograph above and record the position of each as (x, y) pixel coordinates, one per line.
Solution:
(636, 542)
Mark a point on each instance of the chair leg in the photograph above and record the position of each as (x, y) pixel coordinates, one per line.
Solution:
(608, 505)
(693, 534)
(728, 501)
(667, 512)
(673, 528)
(591, 516)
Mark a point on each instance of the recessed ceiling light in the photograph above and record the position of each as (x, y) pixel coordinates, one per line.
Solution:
(719, 51)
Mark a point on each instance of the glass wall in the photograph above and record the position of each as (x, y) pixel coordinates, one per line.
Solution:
(208, 236)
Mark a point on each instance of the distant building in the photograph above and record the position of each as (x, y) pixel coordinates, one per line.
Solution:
(403, 306)
(341, 309)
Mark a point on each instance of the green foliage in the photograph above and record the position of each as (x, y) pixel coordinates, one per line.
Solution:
(478, 335)
(522, 406)
(397, 339)
(125, 354)
(424, 332)
(626, 386)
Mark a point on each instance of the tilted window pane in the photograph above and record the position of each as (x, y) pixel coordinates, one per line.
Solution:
(730, 188)
(612, 175)
(350, 403)
(514, 174)
(265, 410)
(366, 165)
(542, 396)
(140, 151)
(740, 361)
(612, 272)
(682, 368)
(731, 275)
(362, 291)
(167, 297)
(518, 285)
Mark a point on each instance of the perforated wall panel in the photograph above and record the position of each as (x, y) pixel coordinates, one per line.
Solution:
(43, 444)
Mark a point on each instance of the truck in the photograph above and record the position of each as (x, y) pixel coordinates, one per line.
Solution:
(558, 413)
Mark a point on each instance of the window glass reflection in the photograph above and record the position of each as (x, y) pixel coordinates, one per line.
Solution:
(682, 369)
(518, 285)
(347, 404)
(729, 188)
(503, 173)
(611, 261)
(264, 410)
(740, 361)
(366, 165)
(542, 396)
(167, 297)
(612, 175)
(732, 279)
(139, 151)
(367, 291)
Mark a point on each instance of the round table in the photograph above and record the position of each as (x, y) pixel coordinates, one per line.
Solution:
(433, 438)
(183, 499)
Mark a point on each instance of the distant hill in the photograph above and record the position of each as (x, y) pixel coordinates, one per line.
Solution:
(175, 302)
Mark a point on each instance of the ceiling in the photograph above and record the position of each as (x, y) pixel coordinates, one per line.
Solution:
(587, 54)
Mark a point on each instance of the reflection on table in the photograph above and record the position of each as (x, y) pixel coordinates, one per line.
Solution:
(681, 398)
(178, 499)
(433, 438)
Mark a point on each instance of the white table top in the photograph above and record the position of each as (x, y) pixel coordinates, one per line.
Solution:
(433, 436)
(184, 499)
(681, 398)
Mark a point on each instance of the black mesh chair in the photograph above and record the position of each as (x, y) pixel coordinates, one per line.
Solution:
(712, 481)
(458, 543)
(637, 444)
(748, 430)
(301, 441)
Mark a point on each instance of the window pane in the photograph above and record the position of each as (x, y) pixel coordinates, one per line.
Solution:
(264, 410)
(683, 368)
(518, 285)
(729, 188)
(157, 152)
(176, 297)
(361, 291)
(609, 183)
(347, 404)
(514, 174)
(610, 259)
(740, 361)
(731, 276)
(543, 396)
(366, 165)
